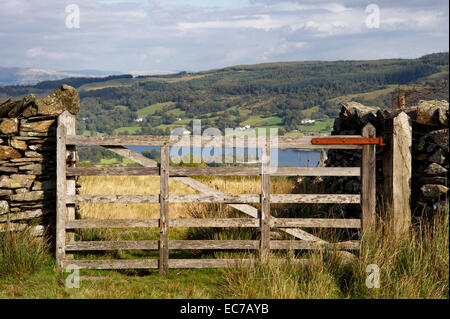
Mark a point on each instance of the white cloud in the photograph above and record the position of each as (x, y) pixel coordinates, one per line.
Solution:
(182, 34)
(33, 52)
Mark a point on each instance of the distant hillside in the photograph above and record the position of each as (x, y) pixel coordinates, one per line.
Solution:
(264, 95)
(29, 76)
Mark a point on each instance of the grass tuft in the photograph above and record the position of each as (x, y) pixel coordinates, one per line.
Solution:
(412, 266)
(21, 253)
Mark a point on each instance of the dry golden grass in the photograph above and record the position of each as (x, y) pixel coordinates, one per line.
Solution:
(102, 185)
(248, 185)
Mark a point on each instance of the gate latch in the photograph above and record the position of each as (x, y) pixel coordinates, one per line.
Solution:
(348, 140)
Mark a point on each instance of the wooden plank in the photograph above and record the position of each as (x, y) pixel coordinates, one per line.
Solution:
(176, 198)
(132, 155)
(154, 244)
(112, 245)
(177, 222)
(223, 198)
(101, 199)
(213, 198)
(114, 263)
(112, 223)
(141, 140)
(222, 263)
(302, 142)
(315, 198)
(173, 263)
(317, 222)
(208, 263)
(214, 244)
(174, 171)
(60, 196)
(397, 170)
(113, 171)
(214, 171)
(310, 245)
(265, 201)
(70, 122)
(164, 212)
(368, 180)
(317, 171)
(214, 222)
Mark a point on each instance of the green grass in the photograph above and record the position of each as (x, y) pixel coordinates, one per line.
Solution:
(90, 133)
(307, 113)
(254, 121)
(153, 108)
(180, 284)
(411, 266)
(21, 253)
(323, 126)
(177, 112)
(129, 129)
(367, 95)
(294, 133)
(414, 265)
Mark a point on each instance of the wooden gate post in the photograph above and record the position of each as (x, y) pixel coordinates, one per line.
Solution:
(61, 191)
(368, 180)
(164, 212)
(397, 163)
(265, 199)
(70, 122)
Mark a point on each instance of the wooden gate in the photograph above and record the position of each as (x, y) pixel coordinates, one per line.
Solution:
(262, 219)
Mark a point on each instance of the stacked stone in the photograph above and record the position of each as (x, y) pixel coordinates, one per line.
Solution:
(430, 155)
(430, 151)
(27, 158)
(351, 120)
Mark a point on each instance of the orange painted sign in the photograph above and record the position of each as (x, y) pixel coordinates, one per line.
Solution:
(348, 141)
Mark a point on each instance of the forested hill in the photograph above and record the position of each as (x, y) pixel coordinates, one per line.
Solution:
(272, 94)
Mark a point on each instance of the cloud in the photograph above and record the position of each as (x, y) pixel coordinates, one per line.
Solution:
(196, 35)
(33, 52)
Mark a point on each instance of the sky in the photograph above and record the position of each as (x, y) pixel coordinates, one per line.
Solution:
(157, 36)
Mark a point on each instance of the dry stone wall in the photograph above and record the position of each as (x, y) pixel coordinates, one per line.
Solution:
(27, 159)
(430, 152)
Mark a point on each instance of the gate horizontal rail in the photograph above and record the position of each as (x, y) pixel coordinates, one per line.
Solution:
(214, 222)
(203, 244)
(301, 142)
(227, 199)
(216, 171)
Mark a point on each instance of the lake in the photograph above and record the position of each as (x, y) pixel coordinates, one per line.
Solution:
(287, 157)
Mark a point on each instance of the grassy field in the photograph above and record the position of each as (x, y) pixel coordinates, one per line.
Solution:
(322, 126)
(413, 266)
(153, 108)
